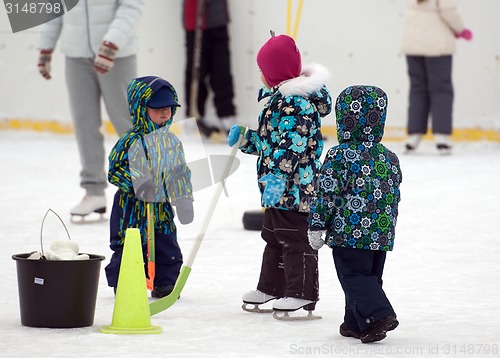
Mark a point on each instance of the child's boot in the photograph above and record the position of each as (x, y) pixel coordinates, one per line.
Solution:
(377, 331)
(346, 332)
(162, 291)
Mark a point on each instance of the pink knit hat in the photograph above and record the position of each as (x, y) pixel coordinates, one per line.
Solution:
(279, 60)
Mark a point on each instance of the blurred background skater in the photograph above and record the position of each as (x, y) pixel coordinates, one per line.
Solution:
(99, 41)
(430, 30)
(208, 65)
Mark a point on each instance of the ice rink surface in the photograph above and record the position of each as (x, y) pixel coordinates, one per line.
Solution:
(443, 277)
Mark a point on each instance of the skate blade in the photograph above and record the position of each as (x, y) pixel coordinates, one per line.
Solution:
(91, 218)
(255, 308)
(284, 316)
(444, 151)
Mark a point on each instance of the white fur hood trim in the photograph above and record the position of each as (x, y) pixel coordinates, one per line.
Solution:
(312, 78)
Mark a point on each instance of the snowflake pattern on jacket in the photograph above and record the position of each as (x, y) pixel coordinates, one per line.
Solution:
(288, 139)
(148, 152)
(358, 186)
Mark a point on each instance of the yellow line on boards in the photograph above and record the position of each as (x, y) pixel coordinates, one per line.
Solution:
(398, 134)
(55, 127)
(390, 133)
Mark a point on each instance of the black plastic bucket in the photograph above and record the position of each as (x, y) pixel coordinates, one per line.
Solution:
(57, 294)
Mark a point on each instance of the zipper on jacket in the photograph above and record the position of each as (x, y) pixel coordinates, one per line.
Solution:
(89, 41)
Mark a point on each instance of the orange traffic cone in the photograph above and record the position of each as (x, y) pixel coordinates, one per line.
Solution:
(131, 311)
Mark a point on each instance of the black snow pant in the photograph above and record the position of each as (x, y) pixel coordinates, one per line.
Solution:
(289, 264)
(360, 275)
(215, 68)
(168, 256)
(431, 93)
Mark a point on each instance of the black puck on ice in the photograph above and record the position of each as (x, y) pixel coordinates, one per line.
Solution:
(253, 219)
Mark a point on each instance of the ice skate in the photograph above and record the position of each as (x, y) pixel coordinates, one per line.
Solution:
(285, 305)
(211, 133)
(443, 143)
(256, 298)
(413, 142)
(227, 123)
(85, 210)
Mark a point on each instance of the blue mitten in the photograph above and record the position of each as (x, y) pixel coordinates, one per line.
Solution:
(275, 187)
(234, 134)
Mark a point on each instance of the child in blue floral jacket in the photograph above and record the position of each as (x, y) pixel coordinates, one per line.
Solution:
(357, 208)
(288, 144)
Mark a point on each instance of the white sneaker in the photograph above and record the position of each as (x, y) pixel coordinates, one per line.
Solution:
(90, 204)
(443, 143)
(257, 297)
(293, 304)
(413, 141)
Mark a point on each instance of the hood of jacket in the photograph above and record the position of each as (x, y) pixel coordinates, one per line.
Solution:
(139, 92)
(310, 84)
(361, 111)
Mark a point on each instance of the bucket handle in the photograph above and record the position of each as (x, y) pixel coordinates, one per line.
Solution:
(41, 229)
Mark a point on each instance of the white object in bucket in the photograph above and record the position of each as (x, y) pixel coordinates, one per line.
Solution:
(61, 250)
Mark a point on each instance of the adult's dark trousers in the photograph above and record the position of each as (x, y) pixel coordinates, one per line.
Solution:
(215, 69)
(431, 94)
(289, 264)
(360, 275)
(168, 256)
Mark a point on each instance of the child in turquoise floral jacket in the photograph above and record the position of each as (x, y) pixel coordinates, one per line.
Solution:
(288, 144)
(357, 207)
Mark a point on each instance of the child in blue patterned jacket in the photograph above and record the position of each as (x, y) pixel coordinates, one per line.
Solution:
(288, 144)
(147, 165)
(357, 207)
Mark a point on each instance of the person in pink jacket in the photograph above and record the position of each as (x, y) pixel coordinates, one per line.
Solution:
(431, 28)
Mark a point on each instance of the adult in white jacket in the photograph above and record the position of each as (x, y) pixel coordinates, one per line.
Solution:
(431, 28)
(99, 40)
